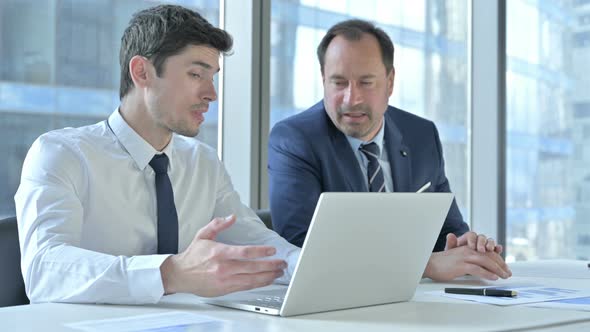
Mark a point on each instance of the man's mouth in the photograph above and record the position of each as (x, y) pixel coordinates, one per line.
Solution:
(198, 115)
(355, 115)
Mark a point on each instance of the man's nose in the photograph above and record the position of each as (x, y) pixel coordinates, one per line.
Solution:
(208, 93)
(352, 95)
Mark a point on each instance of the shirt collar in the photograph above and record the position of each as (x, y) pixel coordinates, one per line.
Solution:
(139, 149)
(355, 143)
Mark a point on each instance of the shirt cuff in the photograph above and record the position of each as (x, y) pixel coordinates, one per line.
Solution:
(145, 278)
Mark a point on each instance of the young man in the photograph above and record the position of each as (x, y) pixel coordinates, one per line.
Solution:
(353, 141)
(121, 211)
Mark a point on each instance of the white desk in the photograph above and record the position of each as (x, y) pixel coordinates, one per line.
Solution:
(424, 313)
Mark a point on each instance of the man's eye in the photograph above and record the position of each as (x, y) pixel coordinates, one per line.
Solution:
(366, 83)
(195, 75)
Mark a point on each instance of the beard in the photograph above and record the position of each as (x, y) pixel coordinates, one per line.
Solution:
(187, 128)
(359, 130)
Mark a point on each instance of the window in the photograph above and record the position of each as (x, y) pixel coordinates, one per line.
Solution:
(59, 67)
(547, 98)
(430, 39)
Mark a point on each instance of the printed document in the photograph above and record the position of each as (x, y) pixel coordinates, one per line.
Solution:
(159, 322)
(526, 294)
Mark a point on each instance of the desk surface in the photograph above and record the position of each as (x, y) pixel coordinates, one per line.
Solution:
(424, 312)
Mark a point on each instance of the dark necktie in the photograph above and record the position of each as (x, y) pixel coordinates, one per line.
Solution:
(167, 217)
(374, 171)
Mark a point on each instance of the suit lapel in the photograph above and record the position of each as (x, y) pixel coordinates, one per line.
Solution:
(347, 162)
(350, 166)
(399, 155)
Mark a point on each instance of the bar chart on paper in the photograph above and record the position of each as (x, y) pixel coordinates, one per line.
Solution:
(580, 303)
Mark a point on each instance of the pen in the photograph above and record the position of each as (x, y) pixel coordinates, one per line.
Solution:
(482, 291)
(424, 187)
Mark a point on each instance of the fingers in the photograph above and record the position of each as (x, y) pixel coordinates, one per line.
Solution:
(241, 282)
(246, 252)
(451, 241)
(481, 243)
(231, 274)
(449, 264)
(254, 267)
(468, 239)
(499, 261)
(210, 268)
(498, 249)
(478, 271)
(214, 227)
(492, 262)
(490, 244)
(478, 242)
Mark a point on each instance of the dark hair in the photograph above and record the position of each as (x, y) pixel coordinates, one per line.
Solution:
(354, 30)
(163, 31)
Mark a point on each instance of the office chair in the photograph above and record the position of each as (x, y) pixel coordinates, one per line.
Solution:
(12, 287)
(264, 215)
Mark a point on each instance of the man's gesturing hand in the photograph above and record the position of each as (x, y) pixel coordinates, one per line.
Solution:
(209, 268)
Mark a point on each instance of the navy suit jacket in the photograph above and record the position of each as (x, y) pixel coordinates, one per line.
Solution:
(308, 155)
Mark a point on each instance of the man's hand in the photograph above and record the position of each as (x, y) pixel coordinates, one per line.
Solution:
(459, 261)
(474, 241)
(209, 268)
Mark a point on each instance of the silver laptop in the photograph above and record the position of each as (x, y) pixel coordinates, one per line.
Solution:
(361, 249)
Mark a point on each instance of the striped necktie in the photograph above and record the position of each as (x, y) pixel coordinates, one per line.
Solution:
(374, 171)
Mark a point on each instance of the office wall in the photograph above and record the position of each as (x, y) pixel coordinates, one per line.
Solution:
(59, 67)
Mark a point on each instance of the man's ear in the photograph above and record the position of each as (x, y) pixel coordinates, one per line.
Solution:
(390, 79)
(323, 79)
(139, 68)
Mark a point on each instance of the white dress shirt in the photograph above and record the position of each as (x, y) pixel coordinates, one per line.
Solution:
(355, 143)
(86, 210)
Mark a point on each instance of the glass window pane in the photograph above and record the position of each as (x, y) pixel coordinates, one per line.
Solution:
(548, 116)
(430, 38)
(59, 67)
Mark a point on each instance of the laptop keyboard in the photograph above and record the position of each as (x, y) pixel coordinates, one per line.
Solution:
(269, 298)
